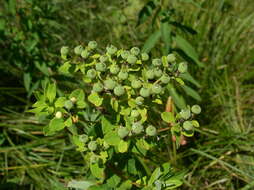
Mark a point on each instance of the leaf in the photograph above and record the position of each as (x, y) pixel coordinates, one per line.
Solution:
(180, 81)
(97, 171)
(151, 41)
(113, 181)
(59, 103)
(155, 175)
(80, 144)
(177, 99)
(106, 126)
(82, 185)
(65, 68)
(172, 184)
(95, 99)
(123, 146)
(114, 104)
(78, 94)
(166, 36)
(189, 78)
(187, 48)
(51, 92)
(143, 113)
(191, 92)
(68, 122)
(126, 185)
(112, 138)
(168, 117)
(145, 12)
(27, 81)
(56, 124)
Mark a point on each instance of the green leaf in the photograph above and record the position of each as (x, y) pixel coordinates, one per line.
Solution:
(188, 77)
(180, 81)
(151, 41)
(187, 48)
(95, 99)
(107, 127)
(166, 36)
(113, 181)
(155, 175)
(125, 185)
(80, 144)
(81, 104)
(65, 68)
(56, 124)
(172, 184)
(27, 81)
(97, 171)
(143, 113)
(68, 122)
(82, 185)
(123, 146)
(168, 117)
(78, 94)
(191, 92)
(178, 99)
(112, 138)
(51, 92)
(114, 104)
(59, 103)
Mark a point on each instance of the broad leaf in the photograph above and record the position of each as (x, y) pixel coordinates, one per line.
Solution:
(151, 41)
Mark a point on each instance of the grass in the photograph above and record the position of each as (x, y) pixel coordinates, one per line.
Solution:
(223, 153)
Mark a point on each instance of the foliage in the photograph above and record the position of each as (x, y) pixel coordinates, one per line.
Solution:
(118, 111)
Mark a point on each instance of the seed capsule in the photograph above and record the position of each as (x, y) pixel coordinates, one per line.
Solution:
(92, 44)
(182, 68)
(132, 59)
(185, 113)
(144, 56)
(58, 115)
(135, 51)
(136, 84)
(101, 67)
(109, 84)
(165, 79)
(151, 130)
(145, 92)
(122, 75)
(187, 125)
(123, 132)
(92, 145)
(156, 89)
(196, 109)
(91, 73)
(78, 49)
(97, 87)
(171, 58)
(119, 90)
(137, 128)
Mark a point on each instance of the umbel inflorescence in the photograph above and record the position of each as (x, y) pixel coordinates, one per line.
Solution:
(120, 107)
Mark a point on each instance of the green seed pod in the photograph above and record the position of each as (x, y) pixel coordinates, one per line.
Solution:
(137, 128)
(103, 58)
(156, 89)
(68, 104)
(165, 79)
(73, 100)
(150, 74)
(111, 50)
(94, 159)
(196, 109)
(151, 130)
(119, 90)
(84, 138)
(135, 51)
(114, 69)
(158, 72)
(64, 50)
(58, 115)
(78, 50)
(101, 67)
(156, 62)
(125, 54)
(136, 83)
(145, 92)
(91, 73)
(139, 100)
(97, 87)
(92, 44)
(185, 113)
(182, 67)
(135, 113)
(92, 145)
(109, 84)
(132, 59)
(187, 125)
(123, 75)
(123, 132)
(144, 56)
(84, 54)
(171, 58)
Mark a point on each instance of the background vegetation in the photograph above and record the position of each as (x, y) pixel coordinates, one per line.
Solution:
(220, 156)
